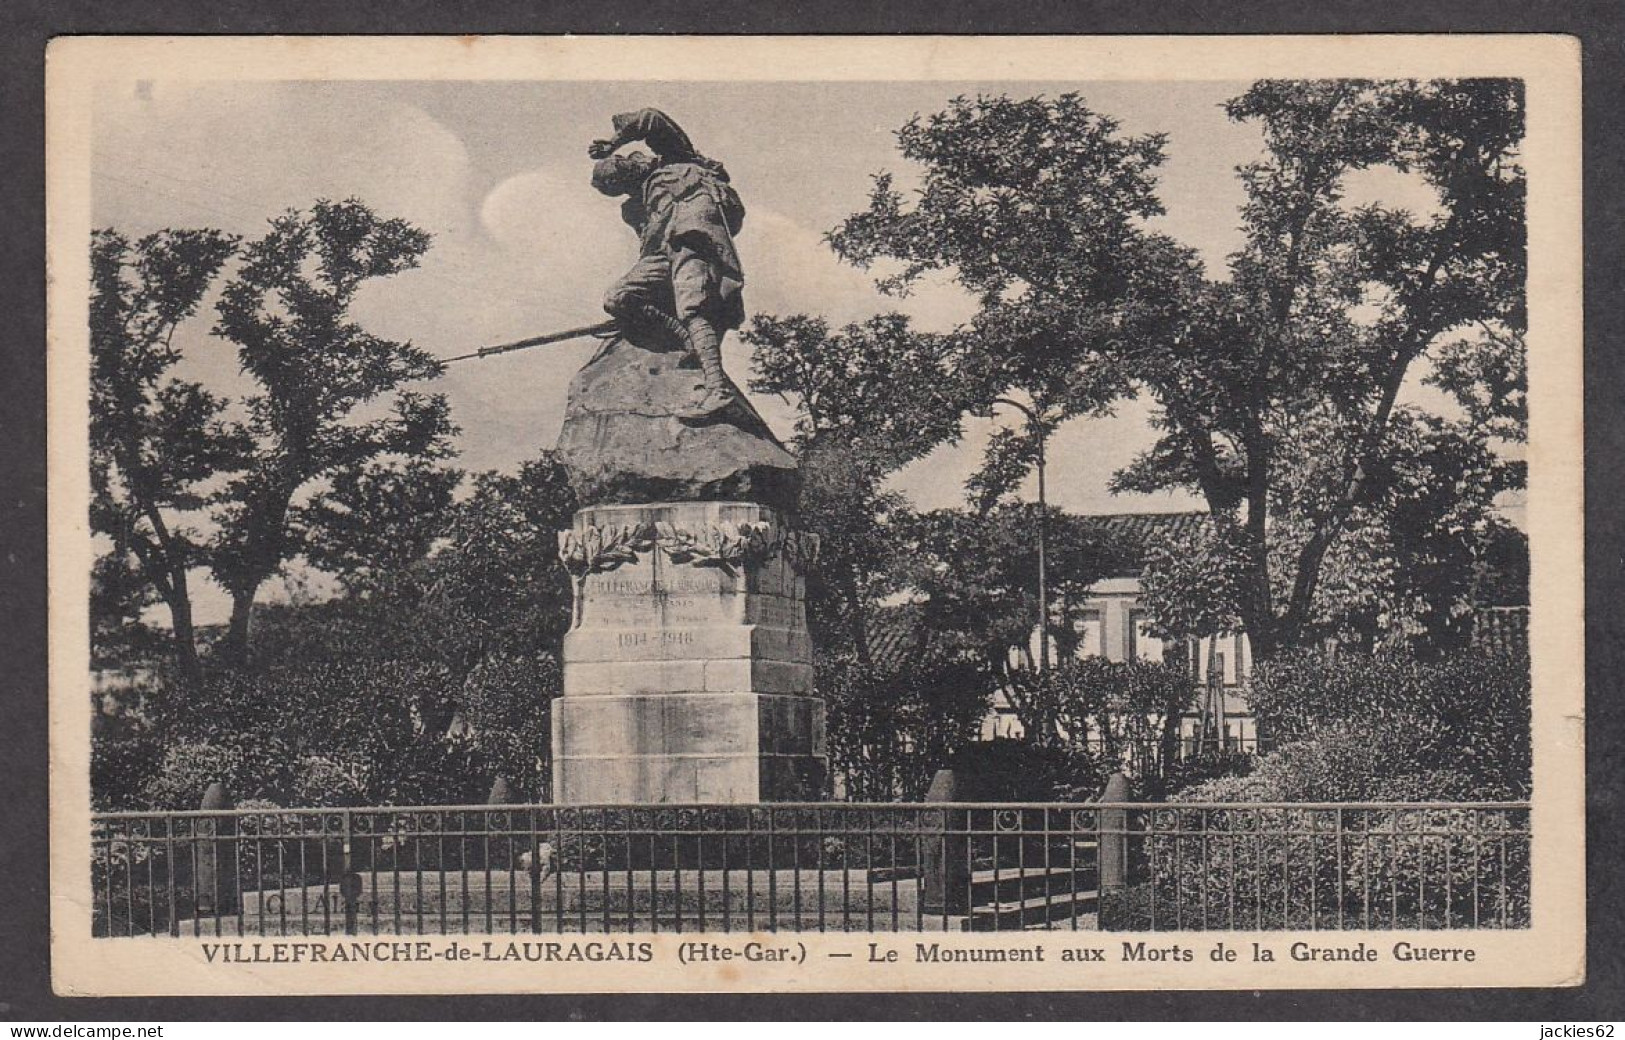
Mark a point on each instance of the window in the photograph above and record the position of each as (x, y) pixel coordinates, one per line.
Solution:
(1142, 645)
(1091, 634)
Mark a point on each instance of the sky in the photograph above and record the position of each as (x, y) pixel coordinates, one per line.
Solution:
(497, 172)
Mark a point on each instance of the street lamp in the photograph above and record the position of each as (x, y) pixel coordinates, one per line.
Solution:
(1043, 582)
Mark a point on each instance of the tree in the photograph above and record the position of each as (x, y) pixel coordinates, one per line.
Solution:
(1133, 708)
(870, 398)
(497, 587)
(974, 576)
(1037, 207)
(430, 676)
(1190, 585)
(156, 440)
(890, 730)
(318, 374)
(350, 726)
(374, 523)
(1328, 312)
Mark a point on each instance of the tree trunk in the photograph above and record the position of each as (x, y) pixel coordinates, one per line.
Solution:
(236, 644)
(1258, 618)
(185, 633)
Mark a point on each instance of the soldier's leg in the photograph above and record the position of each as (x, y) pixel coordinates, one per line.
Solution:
(642, 300)
(693, 284)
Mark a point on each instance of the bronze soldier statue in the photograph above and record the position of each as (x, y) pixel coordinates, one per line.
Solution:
(687, 282)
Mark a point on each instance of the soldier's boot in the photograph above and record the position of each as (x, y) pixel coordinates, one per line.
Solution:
(706, 344)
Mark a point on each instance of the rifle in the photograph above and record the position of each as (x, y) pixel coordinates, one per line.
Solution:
(601, 329)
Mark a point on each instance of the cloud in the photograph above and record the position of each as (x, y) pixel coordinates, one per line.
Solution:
(239, 154)
(791, 269)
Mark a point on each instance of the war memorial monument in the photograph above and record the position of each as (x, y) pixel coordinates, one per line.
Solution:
(688, 671)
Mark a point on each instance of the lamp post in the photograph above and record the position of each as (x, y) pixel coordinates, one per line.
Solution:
(1043, 578)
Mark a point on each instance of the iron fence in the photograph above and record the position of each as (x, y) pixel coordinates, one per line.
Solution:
(818, 867)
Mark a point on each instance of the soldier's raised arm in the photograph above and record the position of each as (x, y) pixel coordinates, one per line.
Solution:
(651, 126)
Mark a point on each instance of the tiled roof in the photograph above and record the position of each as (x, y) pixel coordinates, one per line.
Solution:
(1136, 532)
(897, 636)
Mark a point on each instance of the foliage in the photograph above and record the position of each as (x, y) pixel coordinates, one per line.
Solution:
(508, 702)
(889, 732)
(496, 587)
(1278, 388)
(1037, 207)
(348, 729)
(877, 386)
(1369, 728)
(121, 769)
(1387, 727)
(243, 766)
(318, 376)
(429, 678)
(975, 578)
(869, 398)
(1005, 770)
(1123, 707)
(1293, 867)
(376, 521)
(1403, 566)
(1359, 728)
(1194, 770)
(156, 440)
(1489, 377)
(1192, 584)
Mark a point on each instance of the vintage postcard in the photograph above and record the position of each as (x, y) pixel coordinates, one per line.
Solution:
(805, 514)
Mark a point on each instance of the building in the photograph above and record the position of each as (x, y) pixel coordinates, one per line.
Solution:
(1111, 623)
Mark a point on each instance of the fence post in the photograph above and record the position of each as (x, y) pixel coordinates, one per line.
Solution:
(350, 884)
(215, 890)
(947, 856)
(1113, 850)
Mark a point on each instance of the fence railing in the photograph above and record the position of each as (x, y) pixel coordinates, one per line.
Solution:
(811, 867)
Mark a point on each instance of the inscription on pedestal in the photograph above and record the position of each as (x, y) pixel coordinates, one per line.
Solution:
(688, 672)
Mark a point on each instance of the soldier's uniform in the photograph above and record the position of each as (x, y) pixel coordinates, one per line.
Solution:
(686, 214)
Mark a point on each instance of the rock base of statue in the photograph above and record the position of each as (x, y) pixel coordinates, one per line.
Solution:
(688, 671)
(629, 435)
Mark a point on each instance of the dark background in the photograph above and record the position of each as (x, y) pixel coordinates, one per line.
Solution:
(26, 25)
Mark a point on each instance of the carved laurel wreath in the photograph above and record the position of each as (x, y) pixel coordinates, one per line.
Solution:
(604, 548)
(727, 545)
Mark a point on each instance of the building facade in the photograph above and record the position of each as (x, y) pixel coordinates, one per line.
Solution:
(1111, 622)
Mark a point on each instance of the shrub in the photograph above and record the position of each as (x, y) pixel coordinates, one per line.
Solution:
(1020, 771)
(1203, 768)
(327, 732)
(1390, 726)
(121, 770)
(1360, 729)
(1387, 728)
(248, 768)
(1292, 867)
(507, 702)
(1128, 711)
(330, 780)
(888, 733)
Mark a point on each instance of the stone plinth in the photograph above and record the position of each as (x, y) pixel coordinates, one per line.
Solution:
(688, 672)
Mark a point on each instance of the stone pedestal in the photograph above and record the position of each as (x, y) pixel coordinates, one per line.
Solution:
(688, 672)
